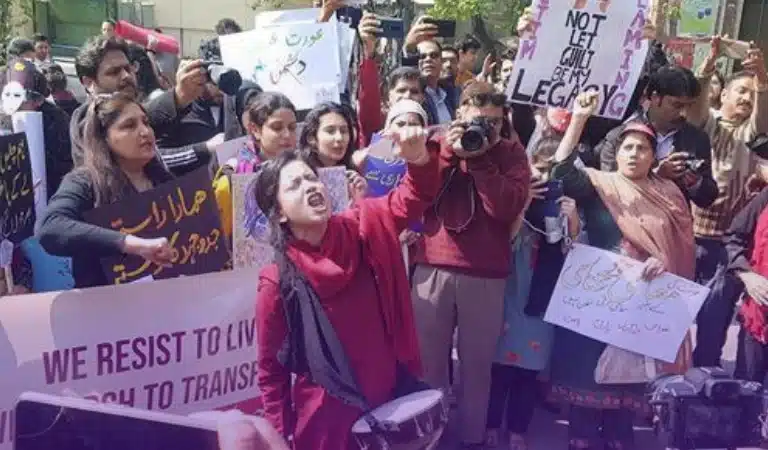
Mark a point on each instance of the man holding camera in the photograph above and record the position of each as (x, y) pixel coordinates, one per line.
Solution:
(462, 264)
(103, 68)
(683, 150)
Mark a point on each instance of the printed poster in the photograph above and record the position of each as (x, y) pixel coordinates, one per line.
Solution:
(177, 346)
(185, 212)
(599, 294)
(250, 236)
(301, 60)
(581, 45)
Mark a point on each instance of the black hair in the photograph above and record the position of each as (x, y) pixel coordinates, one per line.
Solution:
(312, 127)
(265, 104)
(405, 73)
(92, 54)
(112, 22)
(673, 81)
(37, 37)
(227, 26)
(451, 49)
(57, 80)
(146, 77)
(262, 194)
(245, 96)
(737, 76)
(468, 43)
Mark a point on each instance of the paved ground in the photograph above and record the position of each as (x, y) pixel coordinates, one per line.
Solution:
(549, 432)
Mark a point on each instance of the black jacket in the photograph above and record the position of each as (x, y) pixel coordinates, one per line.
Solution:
(58, 147)
(182, 143)
(63, 231)
(687, 139)
(162, 112)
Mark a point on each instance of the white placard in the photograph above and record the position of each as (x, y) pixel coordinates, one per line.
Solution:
(289, 58)
(181, 346)
(281, 16)
(31, 123)
(599, 294)
(580, 45)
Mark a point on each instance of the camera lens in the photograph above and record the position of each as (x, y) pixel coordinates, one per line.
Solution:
(473, 139)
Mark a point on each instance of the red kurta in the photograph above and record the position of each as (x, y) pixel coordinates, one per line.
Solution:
(359, 255)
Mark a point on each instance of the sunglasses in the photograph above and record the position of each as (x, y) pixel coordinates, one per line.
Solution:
(430, 55)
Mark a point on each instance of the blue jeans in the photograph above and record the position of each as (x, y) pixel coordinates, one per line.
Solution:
(716, 313)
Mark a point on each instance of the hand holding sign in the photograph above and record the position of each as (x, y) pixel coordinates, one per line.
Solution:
(155, 250)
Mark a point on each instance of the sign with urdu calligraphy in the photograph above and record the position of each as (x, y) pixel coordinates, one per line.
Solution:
(185, 212)
(599, 294)
(17, 196)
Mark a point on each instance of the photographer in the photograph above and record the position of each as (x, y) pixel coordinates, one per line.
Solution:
(103, 67)
(683, 150)
(461, 270)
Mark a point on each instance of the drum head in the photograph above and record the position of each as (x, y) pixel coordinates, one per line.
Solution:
(401, 409)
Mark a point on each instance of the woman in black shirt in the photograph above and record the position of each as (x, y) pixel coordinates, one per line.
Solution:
(120, 161)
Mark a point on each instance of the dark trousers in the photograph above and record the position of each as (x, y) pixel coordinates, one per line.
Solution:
(608, 425)
(516, 390)
(751, 358)
(716, 313)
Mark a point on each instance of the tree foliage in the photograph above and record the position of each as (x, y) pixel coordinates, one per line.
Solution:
(491, 19)
(14, 14)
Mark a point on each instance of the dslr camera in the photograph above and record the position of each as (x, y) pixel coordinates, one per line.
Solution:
(706, 408)
(227, 79)
(476, 135)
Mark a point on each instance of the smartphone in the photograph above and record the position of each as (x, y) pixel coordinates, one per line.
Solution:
(391, 28)
(445, 28)
(45, 422)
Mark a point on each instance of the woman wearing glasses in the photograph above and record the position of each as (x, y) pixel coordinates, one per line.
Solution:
(120, 160)
(463, 263)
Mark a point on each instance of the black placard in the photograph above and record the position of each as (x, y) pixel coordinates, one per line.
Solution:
(17, 193)
(185, 212)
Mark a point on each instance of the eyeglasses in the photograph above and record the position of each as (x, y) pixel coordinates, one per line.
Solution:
(485, 99)
(430, 55)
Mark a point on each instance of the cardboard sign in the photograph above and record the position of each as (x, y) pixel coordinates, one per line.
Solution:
(599, 294)
(581, 45)
(17, 196)
(300, 60)
(185, 212)
(178, 346)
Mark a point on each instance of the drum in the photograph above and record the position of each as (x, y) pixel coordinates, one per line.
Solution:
(413, 422)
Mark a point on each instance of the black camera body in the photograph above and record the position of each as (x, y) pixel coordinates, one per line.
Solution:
(476, 135)
(227, 79)
(706, 408)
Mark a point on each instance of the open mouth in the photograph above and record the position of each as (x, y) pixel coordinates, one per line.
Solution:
(316, 200)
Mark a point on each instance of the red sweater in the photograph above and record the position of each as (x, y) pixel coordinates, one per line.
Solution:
(359, 276)
(370, 115)
(501, 179)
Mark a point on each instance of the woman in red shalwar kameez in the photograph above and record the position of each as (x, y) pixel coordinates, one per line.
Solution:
(352, 262)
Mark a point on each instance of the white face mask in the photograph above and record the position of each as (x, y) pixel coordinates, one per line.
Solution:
(13, 96)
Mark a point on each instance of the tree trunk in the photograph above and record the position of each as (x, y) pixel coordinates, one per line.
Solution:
(480, 31)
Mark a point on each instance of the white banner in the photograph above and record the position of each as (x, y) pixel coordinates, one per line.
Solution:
(579, 45)
(301, 60)
(180, 346)
(600, 294)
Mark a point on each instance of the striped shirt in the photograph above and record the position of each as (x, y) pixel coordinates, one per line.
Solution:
(732, 164)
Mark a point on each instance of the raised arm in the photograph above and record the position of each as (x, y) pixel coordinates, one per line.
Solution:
(698, 113)
(417, 190)
(369, 94)
(576, 183)
(755, 63)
